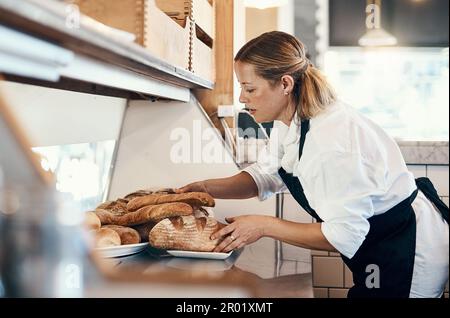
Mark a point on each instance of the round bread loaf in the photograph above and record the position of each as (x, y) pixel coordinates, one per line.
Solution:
(185, 233)
(127, 234)
(91, 221)
(106, 238)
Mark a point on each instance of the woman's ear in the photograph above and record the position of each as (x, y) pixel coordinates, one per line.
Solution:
(288, 84)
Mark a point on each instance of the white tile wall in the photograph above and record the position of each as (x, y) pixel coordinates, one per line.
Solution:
(293, 211)
(294, 253)
(338, 293)
(320, 253)
(320, 292)
(335, 254)
(293, 268)
(288, 268)
(418, 171)
(439, 175)
(348, 277)
(328, 271)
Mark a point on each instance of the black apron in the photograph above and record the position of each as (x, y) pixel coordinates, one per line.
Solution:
(390, 243)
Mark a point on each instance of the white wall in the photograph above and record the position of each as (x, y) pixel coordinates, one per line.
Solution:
(286, 17)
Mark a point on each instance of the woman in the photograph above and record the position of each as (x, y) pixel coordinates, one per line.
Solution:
(342, 169)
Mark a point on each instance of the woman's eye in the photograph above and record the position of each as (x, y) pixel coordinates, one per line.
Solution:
(250, 90)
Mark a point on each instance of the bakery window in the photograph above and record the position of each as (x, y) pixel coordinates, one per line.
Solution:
(405, 90)
(81, 170)
(77, 143)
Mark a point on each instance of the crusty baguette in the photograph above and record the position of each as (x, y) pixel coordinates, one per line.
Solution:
(160, 212)
(106, 217)
(105, 205)
(127, 234)
(118, 207)
(137, 194)
(154, 213)
(165, 191)
(185, 233)
(192, 198)
(141, 193)
(144, 230)
(106, 238)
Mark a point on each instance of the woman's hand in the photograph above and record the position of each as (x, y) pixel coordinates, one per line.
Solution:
(199, 186)
(240, 186)
(241, 231)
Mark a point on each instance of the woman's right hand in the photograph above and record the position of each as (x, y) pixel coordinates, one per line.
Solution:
(240, 186)
(199, 186)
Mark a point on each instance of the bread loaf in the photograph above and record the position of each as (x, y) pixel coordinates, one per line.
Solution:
(185, 233)
(106, 238)
(144, 230)
(158, 213)
(127, 234)
(192, 198)
(137, 194)
(104, 205)
(141, 193)
(106, 217)
(165, 191)
(118, 207)
(91, 221)
(153, 213)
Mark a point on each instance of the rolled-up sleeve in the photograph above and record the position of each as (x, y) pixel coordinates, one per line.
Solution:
(346, 232)
(342, 186)
(265, 170)
(267, 183)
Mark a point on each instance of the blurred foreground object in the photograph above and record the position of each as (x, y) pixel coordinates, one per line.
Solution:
(42, 250)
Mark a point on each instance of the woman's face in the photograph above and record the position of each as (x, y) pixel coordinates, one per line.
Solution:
(265, 102)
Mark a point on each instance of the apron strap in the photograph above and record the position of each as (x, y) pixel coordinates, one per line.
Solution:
(426, 186)
(303, 132)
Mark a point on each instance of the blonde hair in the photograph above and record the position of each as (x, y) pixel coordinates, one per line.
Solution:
(276, 54)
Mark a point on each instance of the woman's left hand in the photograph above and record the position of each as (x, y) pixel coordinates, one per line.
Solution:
(241, 231)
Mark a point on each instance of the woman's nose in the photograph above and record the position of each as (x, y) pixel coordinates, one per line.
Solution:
(242, 99)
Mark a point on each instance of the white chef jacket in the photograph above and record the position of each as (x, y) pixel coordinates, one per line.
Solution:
(351, 170)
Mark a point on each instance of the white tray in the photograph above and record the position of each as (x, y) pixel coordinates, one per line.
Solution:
(121, 250)
(205, 255)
